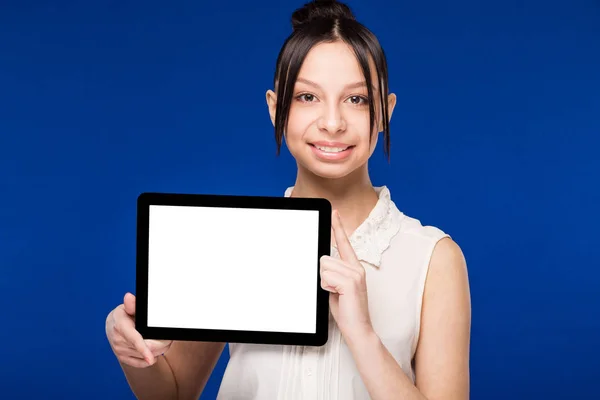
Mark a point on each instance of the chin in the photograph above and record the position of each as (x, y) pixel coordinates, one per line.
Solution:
(331, 169)
(329, 173)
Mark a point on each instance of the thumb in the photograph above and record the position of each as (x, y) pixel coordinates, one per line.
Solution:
(129, 303)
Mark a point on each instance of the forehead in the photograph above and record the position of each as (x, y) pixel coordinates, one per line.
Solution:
(333, 65)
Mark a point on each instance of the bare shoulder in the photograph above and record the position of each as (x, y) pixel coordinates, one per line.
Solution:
(447, 283)
(448, 258)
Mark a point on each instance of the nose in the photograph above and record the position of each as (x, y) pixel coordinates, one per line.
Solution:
(332, 120)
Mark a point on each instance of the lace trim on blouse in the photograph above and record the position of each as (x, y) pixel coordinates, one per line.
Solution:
(374, 235)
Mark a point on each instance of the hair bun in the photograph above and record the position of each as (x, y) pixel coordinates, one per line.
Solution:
(317, 9)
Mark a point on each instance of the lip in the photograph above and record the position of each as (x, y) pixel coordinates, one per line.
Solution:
(325, 156)
(330, 144)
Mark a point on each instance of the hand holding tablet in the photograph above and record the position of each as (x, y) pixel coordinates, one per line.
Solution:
(232, 268)
(129, 346)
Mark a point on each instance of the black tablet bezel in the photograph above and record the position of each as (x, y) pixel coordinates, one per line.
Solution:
(147, 199)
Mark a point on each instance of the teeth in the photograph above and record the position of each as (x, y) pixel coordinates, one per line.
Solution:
(331, 149)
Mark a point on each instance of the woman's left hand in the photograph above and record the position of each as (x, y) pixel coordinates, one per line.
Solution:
(345, 279)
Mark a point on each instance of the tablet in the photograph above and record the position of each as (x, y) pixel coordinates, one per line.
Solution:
(241, 269)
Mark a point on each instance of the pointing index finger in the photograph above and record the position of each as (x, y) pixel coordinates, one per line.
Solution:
(341, 239)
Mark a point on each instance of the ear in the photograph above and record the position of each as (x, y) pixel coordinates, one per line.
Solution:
(391, 106)
(272, 104)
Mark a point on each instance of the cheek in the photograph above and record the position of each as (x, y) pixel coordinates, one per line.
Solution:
(360, 122)
(299, 122)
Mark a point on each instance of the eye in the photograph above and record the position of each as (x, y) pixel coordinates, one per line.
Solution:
(306, 98)
(358, 100)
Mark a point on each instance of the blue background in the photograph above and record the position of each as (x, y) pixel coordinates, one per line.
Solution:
(494, 140)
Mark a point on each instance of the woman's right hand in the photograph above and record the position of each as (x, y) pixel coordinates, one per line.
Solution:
(126, 342)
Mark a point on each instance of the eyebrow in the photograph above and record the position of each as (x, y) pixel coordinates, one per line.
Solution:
(350, 86)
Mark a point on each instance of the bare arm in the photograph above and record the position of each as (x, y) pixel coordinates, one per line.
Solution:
(180, 374)
(442, 357)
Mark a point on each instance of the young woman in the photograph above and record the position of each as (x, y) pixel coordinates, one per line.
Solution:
(400, 302)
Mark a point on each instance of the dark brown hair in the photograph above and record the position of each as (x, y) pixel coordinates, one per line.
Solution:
(322, 21)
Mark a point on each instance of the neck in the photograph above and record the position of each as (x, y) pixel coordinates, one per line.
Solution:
(353, 195)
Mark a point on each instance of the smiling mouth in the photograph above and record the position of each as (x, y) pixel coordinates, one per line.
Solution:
(329, 149)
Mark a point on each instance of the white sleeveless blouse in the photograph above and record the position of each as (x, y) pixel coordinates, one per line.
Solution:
(395, 250)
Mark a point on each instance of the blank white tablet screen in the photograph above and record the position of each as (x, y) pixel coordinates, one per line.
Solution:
(232, 268)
